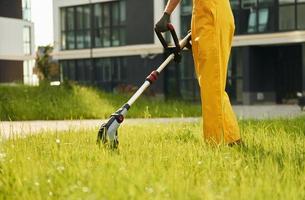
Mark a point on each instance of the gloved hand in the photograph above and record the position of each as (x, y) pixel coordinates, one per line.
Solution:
(161, 25)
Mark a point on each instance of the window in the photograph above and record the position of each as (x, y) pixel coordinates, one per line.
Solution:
(263, 16)
(109, 70)
(26, 10)
(110, 21)
(107, 28)
(27, 40)
(234, 85)
(63, 28)
(263, 3)
(186, 6)
(252, 22)
(70, 36)
(248, 4)
(258, 14)
(186, 16)
(287, 17)
(281, 2)
(235, 4)
(75, 27)
(82, 30)
(301, 15)
(103, 67)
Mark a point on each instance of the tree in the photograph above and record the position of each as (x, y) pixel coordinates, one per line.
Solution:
(45, 68)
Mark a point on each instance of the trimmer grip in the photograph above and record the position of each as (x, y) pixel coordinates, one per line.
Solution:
(173, 49)
(161, 38)
(174, 35)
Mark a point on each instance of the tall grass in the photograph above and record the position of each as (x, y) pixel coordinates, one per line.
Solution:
(158, 161)
(78, 102)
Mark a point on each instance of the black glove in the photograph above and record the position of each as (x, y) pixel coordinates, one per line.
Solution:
(161, 26)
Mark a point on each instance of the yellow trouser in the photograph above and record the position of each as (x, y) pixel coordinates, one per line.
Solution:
(212, 34)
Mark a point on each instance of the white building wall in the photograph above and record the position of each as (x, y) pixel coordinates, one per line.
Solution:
(12, 46)
(11, 39)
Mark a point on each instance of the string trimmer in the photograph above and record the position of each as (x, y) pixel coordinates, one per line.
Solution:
(109, 130)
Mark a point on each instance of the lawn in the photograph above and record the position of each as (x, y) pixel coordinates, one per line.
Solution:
(157, 161)
(78, 102)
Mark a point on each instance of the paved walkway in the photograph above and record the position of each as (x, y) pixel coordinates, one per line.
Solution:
(243, 112)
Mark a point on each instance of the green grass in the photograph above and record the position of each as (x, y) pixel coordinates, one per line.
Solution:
(77, 102)
(157, 161)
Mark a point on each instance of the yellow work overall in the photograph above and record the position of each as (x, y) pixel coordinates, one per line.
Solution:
(212, 34)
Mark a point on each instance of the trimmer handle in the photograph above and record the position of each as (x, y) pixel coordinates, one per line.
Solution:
(173, 33)
(176, 49)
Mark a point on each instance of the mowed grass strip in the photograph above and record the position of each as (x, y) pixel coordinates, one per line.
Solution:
(157, 161)
(78, 102)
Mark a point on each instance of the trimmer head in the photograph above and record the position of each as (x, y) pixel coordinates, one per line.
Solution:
(107, 136)
(108, 132)
(103, 137)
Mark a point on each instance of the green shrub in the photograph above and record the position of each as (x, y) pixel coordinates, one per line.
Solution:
(77, 102)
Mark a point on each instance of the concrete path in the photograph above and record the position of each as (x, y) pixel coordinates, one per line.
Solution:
(267, 111)
(243, 112)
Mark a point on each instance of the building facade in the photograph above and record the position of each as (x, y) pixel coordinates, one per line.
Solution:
(110, 44)
(16, 42)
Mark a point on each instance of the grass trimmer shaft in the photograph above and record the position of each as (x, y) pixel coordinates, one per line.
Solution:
(108, 132)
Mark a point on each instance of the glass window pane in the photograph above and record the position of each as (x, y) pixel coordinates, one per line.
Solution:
(186, 7)
(98, 70)
(80, 71)
(63, 40)
(116, 72)
(70, 18)
(106, 15)
(115, 37)
(263, 15)
(79, 18)
(266, 2)
(70, 40)
(286, 1)
(185, 24)
(248, 3)
(87, 17)
(106, 38)
(115, 14)
(98, 38)
(123, 12)
(107, 70)
(123, 64)
(63, 19)
(301, 16)
(88, 70)
(72, 70)
(97, 15)
(122, 36)
(286, 17)
(87, 39)
(235, 4)
(252, 22)
(79, 40)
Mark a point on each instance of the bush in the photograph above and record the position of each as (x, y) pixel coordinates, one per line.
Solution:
(77, 102)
